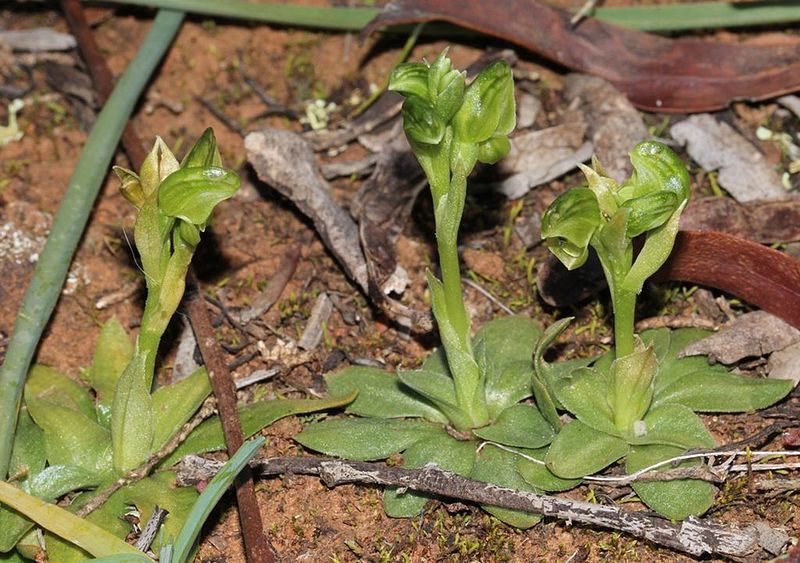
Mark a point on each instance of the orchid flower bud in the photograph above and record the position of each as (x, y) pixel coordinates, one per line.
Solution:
(569, 224)
(489, 108)
(410, 79)
(421, 122)
(494, 149)
(445, 87)
(204, 152)
(131, 187)
(159, 164)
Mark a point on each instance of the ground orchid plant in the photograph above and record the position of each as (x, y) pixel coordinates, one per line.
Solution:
(637, 402)
(471, 390)
(74, 437)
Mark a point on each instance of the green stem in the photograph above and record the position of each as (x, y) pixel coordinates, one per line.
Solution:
(624, 311)
(51, 270)
(448, 219)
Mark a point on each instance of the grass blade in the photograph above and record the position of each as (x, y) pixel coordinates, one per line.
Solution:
(210, 496)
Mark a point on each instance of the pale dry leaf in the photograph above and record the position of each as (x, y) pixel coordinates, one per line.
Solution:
(753, 334)
(613, 124)
(743, 170)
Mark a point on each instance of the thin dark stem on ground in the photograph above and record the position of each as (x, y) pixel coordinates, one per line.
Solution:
(256, 545)
(694, 536)
(100, 73)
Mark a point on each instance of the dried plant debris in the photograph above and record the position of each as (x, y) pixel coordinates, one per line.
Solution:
(38, 40)
(285, 161)
(317, 323)
(537, 157)
(754, 334)
(613, 124)
(785, 364)
(766, 222)
(656, 73)
(559, 287)
(743, 170)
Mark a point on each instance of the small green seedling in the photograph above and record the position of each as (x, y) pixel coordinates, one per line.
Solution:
(470, 390)
(71, 437)
(637, 402)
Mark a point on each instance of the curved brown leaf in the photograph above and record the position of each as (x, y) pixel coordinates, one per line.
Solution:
(656, 73)
(758, 274)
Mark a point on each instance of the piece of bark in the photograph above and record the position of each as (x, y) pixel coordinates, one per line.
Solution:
(38, 40)
(314, 331)
(764, 221)
(785, 363)
(743, 170)
(613, 125)
(285, 161)
(537, 157)
(656, 73)
(753, 334)
(694, 536)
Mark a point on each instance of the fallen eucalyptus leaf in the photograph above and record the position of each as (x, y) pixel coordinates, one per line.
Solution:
(753, 334)
(743, 170)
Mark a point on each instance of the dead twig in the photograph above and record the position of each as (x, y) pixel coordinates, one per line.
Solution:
(693, 536)
(256, 545)
(277, 284)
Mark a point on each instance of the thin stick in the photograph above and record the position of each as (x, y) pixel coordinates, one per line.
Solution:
(693, 536)
(206, 409)
(256, 545)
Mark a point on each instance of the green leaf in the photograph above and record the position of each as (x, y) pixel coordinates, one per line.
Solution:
(631, 389)
(661, 341)
(380, 394)
(520, 425)
(112, 355)
(28, 456)
(457, 456)
(174, 405)
(208, 437)
(674, 425)
(54, 388)
(80, 532)
(161, 490)
(28, 546)
(569, 224)
(579, 450)
(436, 388)
(503, 349)
(72, 437)
(132, 417)
(191, 194)
(537, 474)
(498, 467)
(584, 394)
(712, 390)
(364, 439)
(410, 79)
(675, 500)
(210, 497)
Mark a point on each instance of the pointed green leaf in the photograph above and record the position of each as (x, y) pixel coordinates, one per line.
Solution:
(81, 532)
(54, 388)
(208, 437)
(112, 355)
(578, 451)
(675, 500)
(537, 474)
(661, 341)
(364, 439)
(132, 417)
(438, 389)
(28, 546)
(503, 349)
(445, 451)
(28, 455)
(521, 425)
(631, 389)
(191, 194)
(498, 467)
(711, 390)
(174, 405)
(380, 394)
(673, 425)
(584, 394)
